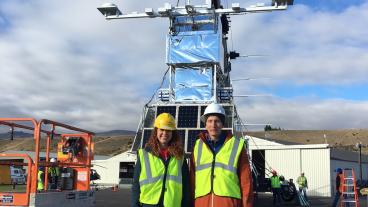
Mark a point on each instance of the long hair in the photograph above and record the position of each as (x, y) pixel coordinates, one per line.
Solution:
(175, 146)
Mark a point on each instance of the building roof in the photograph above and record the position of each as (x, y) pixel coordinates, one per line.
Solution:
(258, 143)
(344, 155)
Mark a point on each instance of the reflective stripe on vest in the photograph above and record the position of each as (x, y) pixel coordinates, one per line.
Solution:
(151, 180)
(224, 164)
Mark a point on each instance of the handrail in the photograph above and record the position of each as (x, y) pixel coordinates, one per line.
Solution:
(54, 123)
(37, 130)
(7, 123)
(30, 162)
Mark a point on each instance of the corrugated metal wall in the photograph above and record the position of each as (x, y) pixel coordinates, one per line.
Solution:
(316, 166)
(315, 163)
(286, 162)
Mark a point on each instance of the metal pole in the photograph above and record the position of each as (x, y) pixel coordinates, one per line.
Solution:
(12, 133)
(360, 161)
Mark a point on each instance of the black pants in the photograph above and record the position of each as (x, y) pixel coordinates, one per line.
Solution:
(276, 196)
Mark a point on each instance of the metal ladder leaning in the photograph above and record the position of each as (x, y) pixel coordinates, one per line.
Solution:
(349, 193)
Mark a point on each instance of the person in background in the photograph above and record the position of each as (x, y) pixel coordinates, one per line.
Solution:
(54, 174)
(40, 179)
(303, 185)
(338, 182)
(219, 170)
(276, 188)
(161, 173)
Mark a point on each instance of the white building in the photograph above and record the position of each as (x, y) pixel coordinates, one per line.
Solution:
(317, 161)
(116, 170)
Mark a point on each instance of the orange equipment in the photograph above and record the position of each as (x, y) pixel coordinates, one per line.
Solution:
(75, 164)
(349, 192)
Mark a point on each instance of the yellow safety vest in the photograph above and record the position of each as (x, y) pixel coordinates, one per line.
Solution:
(39, 181)
(217, 174)
(54, 171)
(152, 176)
(275, 182)
(302, 181)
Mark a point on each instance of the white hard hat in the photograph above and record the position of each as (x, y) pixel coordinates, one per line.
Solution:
(213, 108)
(53, 159)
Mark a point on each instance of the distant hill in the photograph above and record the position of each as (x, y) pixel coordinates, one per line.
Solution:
(104, 145)
(20, 134)
(116, 133)
(118, 141)
(17, 134)
(340, 139)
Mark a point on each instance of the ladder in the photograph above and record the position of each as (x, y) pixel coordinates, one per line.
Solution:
(349, 193)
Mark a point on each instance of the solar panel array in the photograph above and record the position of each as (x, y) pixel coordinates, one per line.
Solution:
(188, 117)
(168, 109)
(188, 123)
(150, 117)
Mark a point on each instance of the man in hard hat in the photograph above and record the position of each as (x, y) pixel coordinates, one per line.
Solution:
(276, 188)
(54, 174)
(339, 179)
(303, 185)
(220, 171)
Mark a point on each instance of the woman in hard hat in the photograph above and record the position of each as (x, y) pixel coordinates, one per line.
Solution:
(161, 173)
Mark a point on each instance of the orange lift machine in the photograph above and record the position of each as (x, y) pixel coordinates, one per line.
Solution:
(73, 164)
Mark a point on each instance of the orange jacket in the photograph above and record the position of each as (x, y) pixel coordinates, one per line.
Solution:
(341, 186)
(245, 180)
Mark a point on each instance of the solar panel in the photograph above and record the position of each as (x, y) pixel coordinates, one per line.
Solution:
(192, 137)
(182, 136)
(228, 117)
(150, 118)
(146, 136)
(137, 141)
(188, 116)
(168, 109)
(202, 112)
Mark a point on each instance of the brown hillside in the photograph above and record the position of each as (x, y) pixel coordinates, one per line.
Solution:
(341, 139)
(113, 145)
(104, 145)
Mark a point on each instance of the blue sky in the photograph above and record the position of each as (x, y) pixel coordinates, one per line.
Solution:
(62, 60)
(330, 5)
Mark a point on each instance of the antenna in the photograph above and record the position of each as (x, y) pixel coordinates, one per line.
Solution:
(246, 79)
(253, 95)
(111, 11)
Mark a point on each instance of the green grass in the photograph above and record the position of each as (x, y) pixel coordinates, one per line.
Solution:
(9, 188)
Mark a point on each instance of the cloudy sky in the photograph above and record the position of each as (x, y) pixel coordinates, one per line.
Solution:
(63, 61)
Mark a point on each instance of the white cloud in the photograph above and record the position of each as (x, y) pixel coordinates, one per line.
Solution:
(64, 61)
(304, 113)
(306, 46)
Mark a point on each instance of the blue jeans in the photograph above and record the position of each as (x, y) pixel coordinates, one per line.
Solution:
(336, 199)
(303, 191)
